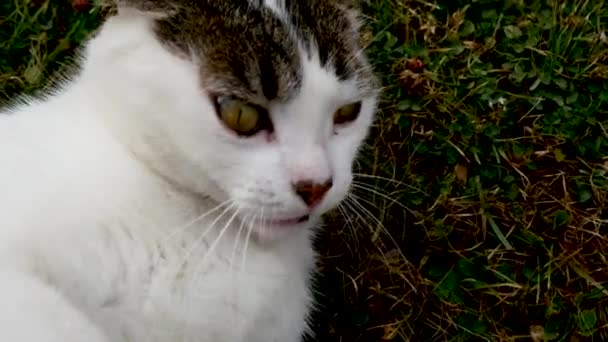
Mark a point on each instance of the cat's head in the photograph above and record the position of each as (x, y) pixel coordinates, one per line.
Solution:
(263, 104)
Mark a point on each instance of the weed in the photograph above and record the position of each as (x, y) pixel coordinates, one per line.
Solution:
(490, 172)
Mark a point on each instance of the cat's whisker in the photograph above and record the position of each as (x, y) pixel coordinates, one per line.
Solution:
(380, 226)
(217, 240)
(201, 237)
(375, 191)
(349, 223)
(348, 205)
(391, 180)
(237, 241)
(261, 221)
(194, 221)
(247, 238)
(354, 209)
(264, 218)
(354, 200)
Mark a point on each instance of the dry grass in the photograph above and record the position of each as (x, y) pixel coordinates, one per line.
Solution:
(490, 172)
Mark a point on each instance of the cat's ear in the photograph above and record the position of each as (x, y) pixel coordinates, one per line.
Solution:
(349, 4)
(156, 8)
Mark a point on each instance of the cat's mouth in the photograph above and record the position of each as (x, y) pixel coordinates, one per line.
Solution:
(289, 222)
(274, 229)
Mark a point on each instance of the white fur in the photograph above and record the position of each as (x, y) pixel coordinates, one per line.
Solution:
(102, 188)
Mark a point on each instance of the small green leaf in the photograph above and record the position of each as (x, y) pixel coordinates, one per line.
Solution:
(535, 84)
(499, 233)
(467, 28)
(560, 218)
(562, 83)
(491, 130)
(506, 271)
(584, 195)
(518, 73)
(521, 151)
(555, 306)
(556, 98)
(403, 121)
(553, 329)
(594, 88)
(532, 238)
(532, 40)
(33, 74)
(391, 40)
(512, 193)
(512, 32)
(437, 271)
(404, 105)
(449, 288)
(518, 48)
(572, 98)
(467, 267)
(489, 14)
(528, 272)
(546, 76)
(559, 155)
(587, 321)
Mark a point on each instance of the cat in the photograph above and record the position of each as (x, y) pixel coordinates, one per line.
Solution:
(170, 189)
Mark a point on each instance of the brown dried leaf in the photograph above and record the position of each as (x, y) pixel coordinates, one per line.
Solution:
(462, 172)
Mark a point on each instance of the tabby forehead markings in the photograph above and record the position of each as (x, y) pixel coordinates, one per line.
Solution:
(250, 49)
(329, 38)
(244, 50)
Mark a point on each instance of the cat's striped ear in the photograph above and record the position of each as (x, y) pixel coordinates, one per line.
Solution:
(348, 4)
(157, 8)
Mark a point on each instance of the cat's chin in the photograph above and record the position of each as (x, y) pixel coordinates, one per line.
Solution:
(275, 230)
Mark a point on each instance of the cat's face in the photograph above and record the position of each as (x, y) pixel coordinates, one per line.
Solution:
(264, 106)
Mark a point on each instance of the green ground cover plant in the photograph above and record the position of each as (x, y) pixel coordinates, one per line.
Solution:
(480, 206)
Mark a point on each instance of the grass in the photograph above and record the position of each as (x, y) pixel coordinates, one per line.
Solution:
(481, 211)
(38, 37)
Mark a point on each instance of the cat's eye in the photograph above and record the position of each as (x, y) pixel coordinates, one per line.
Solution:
(348, 113)
(243, 118)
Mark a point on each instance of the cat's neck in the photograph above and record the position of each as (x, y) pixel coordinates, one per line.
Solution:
(123, 87)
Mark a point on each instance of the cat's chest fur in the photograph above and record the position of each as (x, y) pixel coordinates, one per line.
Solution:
(215, 291)
(107, 248)
(155, 290)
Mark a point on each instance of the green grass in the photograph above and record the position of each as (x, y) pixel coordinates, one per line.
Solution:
(484, 212)
(38, 37)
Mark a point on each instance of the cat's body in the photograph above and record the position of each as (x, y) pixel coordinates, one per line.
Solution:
(130, 214)
(131, 246)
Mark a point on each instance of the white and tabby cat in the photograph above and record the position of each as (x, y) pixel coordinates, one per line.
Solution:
(170, 190)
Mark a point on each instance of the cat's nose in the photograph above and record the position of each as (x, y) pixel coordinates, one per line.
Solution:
(312, 193)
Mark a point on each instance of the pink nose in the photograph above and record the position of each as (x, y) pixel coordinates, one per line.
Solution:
(312, 193)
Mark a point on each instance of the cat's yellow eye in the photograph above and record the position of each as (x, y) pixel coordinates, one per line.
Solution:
(348, 113)
(240, 116)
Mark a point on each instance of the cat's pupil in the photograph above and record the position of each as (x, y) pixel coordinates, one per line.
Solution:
(348, 113)
(241, 117)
